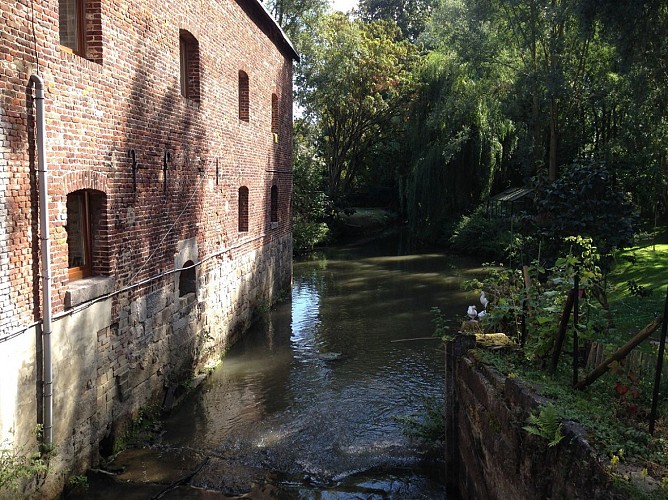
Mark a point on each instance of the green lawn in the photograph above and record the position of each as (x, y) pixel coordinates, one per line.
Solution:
(647, 267)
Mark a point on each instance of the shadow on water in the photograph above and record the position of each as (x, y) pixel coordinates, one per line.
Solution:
(305, 405)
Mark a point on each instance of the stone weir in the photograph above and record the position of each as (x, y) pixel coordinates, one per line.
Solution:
(488, 453)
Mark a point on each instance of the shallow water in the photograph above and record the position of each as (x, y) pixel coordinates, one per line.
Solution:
(305, 405)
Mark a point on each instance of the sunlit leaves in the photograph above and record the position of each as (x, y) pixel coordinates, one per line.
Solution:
(356, 79)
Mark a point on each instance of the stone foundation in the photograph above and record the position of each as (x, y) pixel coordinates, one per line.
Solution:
(130, 350)
(488, 453)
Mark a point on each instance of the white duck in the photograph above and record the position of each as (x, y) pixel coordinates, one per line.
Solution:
(472, 312)
(484, 300)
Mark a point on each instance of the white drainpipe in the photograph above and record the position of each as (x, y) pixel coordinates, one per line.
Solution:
(42, 170)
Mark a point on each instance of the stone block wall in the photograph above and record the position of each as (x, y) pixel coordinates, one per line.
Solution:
(174, 281)
(490, 456)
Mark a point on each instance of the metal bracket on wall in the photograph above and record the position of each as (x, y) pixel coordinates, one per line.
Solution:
(135, 166)
(167, 157)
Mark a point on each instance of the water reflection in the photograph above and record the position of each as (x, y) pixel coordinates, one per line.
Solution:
(306, 401)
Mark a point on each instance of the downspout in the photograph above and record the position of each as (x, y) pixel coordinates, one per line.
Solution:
(47, 387)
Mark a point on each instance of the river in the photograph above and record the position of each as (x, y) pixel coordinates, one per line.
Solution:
(308, 404)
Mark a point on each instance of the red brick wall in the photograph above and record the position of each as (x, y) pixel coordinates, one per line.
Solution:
(127, 96)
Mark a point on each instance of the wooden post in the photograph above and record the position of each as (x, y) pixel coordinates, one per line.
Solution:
(561, 333)
(576, 346)
(525, 304)
(659, 368)
(620, 353)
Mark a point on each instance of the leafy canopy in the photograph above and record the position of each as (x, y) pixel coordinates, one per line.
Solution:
(355, 80)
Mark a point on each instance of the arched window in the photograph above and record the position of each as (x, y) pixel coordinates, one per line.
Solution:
(244, 97)
(189, 64)
(243, 209)
(274, 115)
(188, 279)
(86, 210)
(274, 203)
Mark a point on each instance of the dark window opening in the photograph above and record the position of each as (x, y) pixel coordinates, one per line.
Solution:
(274, 203)
(188, 279)
(274, 115)
(189, 66)
(244, 97)
(243, 209)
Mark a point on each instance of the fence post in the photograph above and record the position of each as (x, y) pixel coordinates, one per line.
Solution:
(659, 367)
(576, 347)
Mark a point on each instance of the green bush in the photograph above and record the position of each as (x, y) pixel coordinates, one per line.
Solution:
(307, 235)
(478, 234)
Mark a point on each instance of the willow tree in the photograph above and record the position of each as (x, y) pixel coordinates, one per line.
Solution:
(458, 132)
(355, 80)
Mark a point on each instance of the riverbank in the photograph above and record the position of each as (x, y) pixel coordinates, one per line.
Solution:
(310, 401)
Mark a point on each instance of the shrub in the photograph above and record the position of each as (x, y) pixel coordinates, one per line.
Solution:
(480, 235)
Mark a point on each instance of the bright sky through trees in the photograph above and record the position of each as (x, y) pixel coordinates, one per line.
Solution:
(343, 5)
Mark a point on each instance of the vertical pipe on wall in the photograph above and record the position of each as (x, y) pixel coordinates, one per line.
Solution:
(42, 170)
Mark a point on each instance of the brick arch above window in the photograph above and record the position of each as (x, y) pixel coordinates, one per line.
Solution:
(85, 179)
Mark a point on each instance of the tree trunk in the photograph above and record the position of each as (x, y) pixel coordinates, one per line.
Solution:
(552, 172)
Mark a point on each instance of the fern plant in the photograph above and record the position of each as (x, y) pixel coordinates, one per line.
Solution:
(546, 424)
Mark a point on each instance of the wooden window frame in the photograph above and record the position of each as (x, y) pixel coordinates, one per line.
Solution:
(80, 49)
(79, 272)
(183, 61)
(189, 66)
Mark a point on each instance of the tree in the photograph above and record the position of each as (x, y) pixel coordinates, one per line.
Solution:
(297, 17)
(310, 205)
(639, 148)
(460, 138)
(584, 201)
(411, 16)
(355, 81)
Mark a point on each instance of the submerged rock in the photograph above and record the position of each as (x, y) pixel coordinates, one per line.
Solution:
(329, 356)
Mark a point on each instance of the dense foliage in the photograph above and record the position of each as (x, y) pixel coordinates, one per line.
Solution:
(354, 84)
(584, 201)
(444, 103)
(312, 207)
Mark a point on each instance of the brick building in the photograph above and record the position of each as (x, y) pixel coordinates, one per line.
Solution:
(167, 141)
